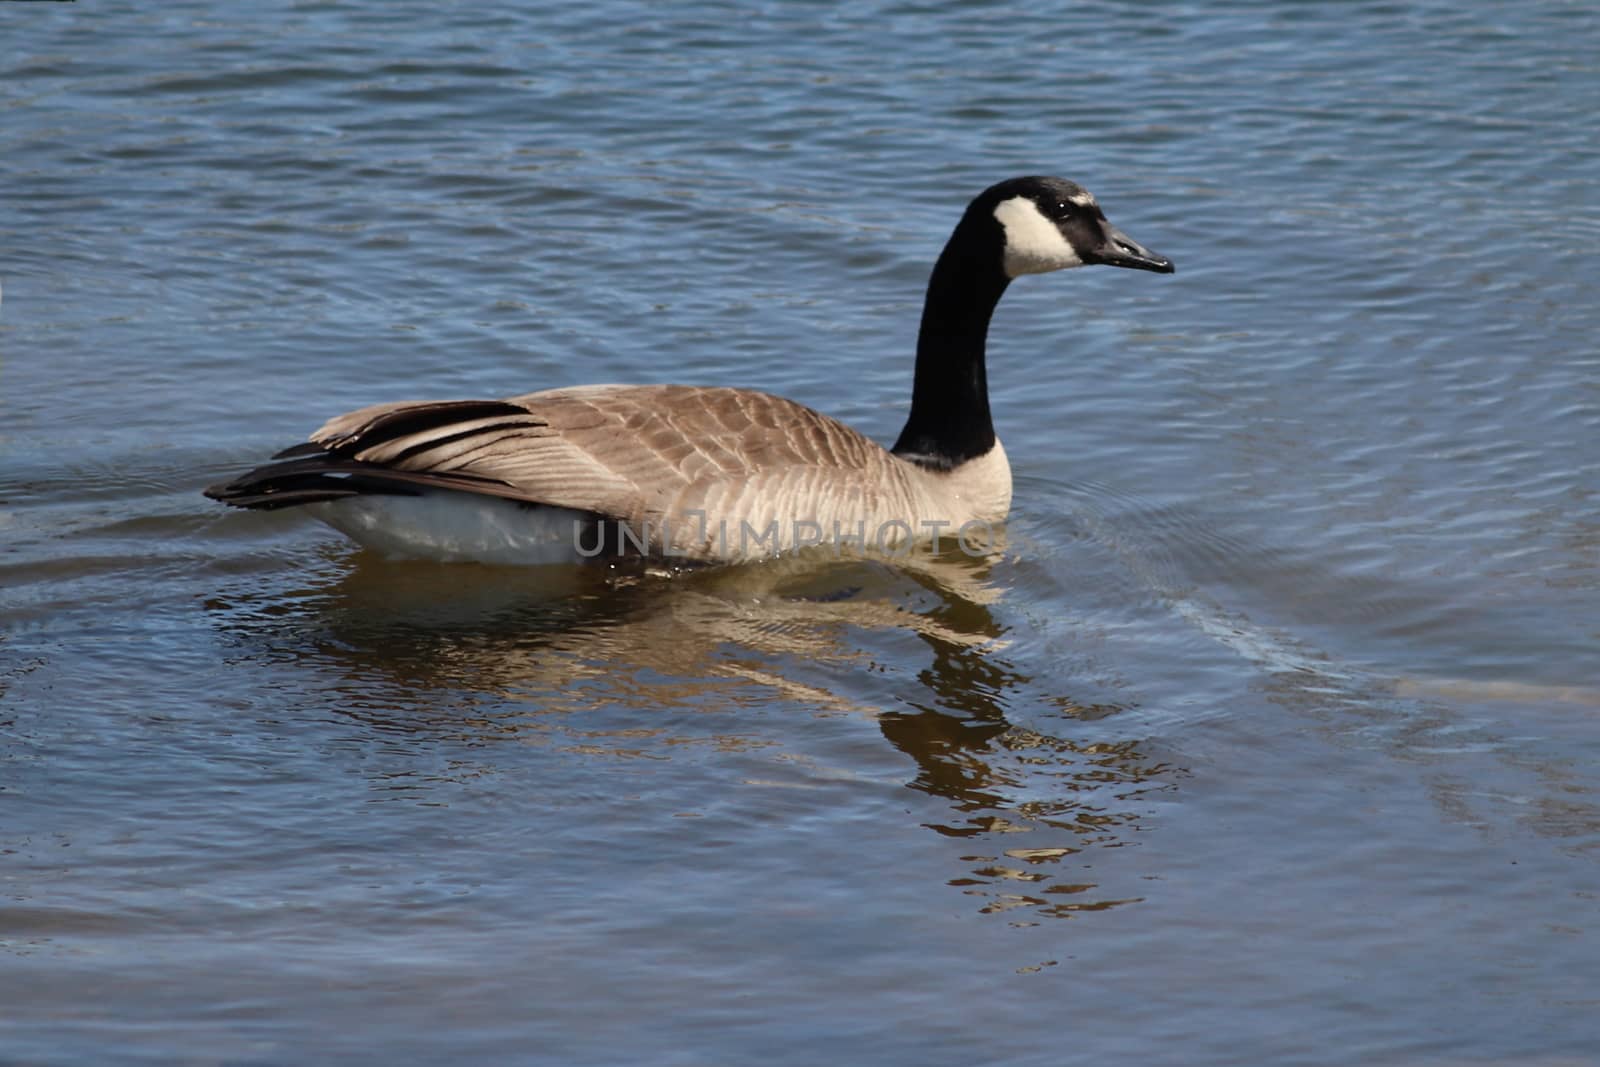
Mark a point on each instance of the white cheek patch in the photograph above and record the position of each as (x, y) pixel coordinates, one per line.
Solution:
(1034, 244)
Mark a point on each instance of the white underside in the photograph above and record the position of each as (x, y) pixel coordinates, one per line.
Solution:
(458, 527)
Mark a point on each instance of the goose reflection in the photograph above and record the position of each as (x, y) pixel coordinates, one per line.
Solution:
(602, 659)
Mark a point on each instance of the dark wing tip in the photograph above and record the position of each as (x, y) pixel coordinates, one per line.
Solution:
(305, 448)
(282, 485)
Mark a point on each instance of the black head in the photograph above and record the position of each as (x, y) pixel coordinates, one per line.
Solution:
(1051, 224)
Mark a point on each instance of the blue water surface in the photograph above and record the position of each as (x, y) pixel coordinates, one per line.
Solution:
(1268, 735)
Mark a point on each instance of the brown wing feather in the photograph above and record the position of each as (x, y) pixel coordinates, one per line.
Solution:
(720, 467)
(634, 452)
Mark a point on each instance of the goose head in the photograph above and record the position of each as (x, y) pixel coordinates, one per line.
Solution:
(1045, 224)
(1019, 226)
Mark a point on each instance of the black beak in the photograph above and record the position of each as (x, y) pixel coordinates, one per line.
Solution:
(1120, 250)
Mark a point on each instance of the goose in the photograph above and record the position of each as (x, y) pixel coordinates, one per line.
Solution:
(703, 473)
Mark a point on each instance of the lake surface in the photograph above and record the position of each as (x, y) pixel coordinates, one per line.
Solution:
(1270, 733)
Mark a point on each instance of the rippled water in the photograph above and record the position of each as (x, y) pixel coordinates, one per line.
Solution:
(1270, 734)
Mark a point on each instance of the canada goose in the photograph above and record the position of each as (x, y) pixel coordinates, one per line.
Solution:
(699, 472)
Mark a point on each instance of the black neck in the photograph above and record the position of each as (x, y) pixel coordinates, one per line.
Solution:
(949, 422)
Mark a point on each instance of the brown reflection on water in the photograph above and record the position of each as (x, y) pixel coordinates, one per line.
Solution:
(590, 660)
